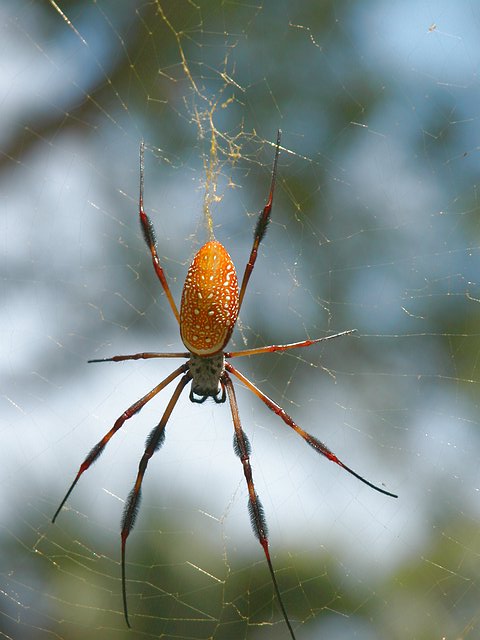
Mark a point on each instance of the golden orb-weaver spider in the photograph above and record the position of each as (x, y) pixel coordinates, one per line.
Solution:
(209, 309)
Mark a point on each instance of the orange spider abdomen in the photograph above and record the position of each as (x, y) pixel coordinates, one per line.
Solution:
(209, 306)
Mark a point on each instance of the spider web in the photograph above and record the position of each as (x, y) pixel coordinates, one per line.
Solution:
(375, 227)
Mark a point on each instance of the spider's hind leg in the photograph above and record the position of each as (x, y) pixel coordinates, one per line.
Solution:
(261, 226)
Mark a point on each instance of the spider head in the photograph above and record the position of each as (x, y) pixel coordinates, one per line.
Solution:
(206, 373)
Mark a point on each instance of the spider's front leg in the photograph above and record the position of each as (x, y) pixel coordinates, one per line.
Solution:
(315, 443)
(97, 450)
(154, 442)
(241, 446)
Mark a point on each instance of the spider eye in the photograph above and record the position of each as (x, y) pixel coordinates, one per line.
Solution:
(209, 306)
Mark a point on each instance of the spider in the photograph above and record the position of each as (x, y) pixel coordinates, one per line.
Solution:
(211, 301)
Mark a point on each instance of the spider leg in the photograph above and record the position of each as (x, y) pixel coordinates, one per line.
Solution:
(261, 228)
(143, 356)
(283, 347)
(309, 439)
(126, 415)
(149, 235)
(154, 442)
(241, 446)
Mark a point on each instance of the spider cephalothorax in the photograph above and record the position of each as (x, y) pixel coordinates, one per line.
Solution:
(206, 372)
(209, 309)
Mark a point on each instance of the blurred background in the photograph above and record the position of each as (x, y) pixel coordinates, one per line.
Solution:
(375, 227)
